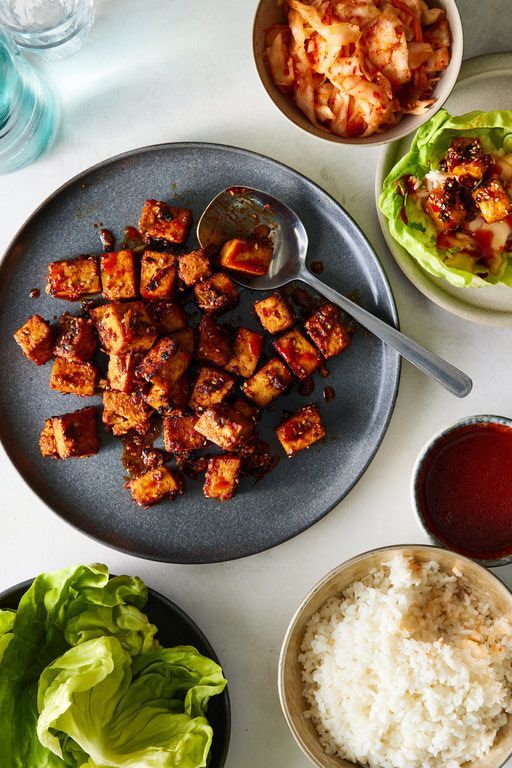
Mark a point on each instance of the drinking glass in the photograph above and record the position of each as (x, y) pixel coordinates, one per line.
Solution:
(27, 109)
(50, 28)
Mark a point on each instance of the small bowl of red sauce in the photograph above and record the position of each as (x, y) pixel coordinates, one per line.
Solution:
(462, 489)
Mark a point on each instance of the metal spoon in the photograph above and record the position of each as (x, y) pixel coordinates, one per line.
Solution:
(239, 211)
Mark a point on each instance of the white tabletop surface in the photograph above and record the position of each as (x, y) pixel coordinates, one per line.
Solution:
(182, 71)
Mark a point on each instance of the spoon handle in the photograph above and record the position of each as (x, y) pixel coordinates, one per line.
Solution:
(447, 375)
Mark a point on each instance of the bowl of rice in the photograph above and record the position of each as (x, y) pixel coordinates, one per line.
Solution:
(401, 658)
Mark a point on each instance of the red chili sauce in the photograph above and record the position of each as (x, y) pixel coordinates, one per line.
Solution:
(465, 490)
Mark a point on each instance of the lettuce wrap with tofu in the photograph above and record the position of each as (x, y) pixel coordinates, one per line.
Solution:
(411, 225)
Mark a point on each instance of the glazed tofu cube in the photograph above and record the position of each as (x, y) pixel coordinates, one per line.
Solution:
(47, 444)
(212, 386)
(301, 430)
(73, 278)
(124, 327)
(247, 409)
(180, 435)
(75, 433)
(35, 338)
(222, 477)
(214, 342)
(118, 275)
(164, 223)
(445, 207)
(216, 294)
(155, 485)
(466, 157)
(300, 355)
(168, 316)
(123, 412)
(256, 457)
(492, 200)
(121, 371)
(158, 273)
(72, 377)
(269, 382)
(327, 332)
(224, 426)
(174, 398)
(246, 256)
(247, 352)
(274, 313)
(186, 339)
(76, 338)
(194, 267)
(165, 363)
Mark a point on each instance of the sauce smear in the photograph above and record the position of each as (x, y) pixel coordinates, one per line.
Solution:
(465, 490)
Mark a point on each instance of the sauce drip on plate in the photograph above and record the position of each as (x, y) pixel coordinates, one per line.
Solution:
(465, 490)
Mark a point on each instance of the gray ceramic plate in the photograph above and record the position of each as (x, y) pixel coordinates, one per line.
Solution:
(174, 628)
(89, 494)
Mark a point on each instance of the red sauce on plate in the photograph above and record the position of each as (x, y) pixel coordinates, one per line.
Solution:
(465, 490)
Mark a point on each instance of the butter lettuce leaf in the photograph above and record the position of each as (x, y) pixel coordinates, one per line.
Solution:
(100, 707)
(415, 230)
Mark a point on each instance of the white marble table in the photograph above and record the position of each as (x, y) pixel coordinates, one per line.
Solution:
(169, 71)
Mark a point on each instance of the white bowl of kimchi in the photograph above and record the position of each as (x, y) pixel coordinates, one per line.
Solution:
(358, 71)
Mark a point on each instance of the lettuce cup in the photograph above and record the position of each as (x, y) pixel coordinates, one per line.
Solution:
(448, 201)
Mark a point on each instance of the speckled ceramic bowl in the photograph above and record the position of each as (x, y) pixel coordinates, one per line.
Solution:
(289, 674)
(417, 475)
(271, 12)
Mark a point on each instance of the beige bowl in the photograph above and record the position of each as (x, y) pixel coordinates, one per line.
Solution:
(269, 12)
(289, 675)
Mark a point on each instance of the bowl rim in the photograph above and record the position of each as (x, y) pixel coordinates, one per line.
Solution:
(428, 446)
(500, 585)
(376, 139)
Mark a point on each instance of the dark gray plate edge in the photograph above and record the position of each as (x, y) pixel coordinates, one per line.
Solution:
(396, 373)
(18, 590)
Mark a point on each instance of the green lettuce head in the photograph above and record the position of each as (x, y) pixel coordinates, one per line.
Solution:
(415, 230)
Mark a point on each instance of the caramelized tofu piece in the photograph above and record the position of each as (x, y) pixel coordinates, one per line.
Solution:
(224, 426)
(301, 430)
(269, 382)
(35, 338)
(165, 363)
(121, 371)
(162, 222)
(180, 435)
(47, 444)
(248, 349)
(154, 486)
(256, 457)
(194, 267)
(216, 294)
(72, 377)
(492, 200)
(327, 331)
(168, 316)
(466, 157)
(75, 433)
(171, 399)
(274, 313)
(246, 256)
(247, 409)
(76, 339)
(186, 339)
(445, 207)
(300, 355)
(118, 275)
(212, 386)
(158, 273)
(124, 327)
(73, 278)
(222, 477)
(214, 342)
(122, 412)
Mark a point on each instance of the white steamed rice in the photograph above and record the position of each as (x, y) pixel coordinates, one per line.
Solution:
(408, 668)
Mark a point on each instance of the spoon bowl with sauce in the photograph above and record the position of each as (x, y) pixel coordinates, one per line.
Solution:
(245, 212)
(462, 489)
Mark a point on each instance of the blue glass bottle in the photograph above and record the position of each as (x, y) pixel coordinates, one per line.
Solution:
(27, 109)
